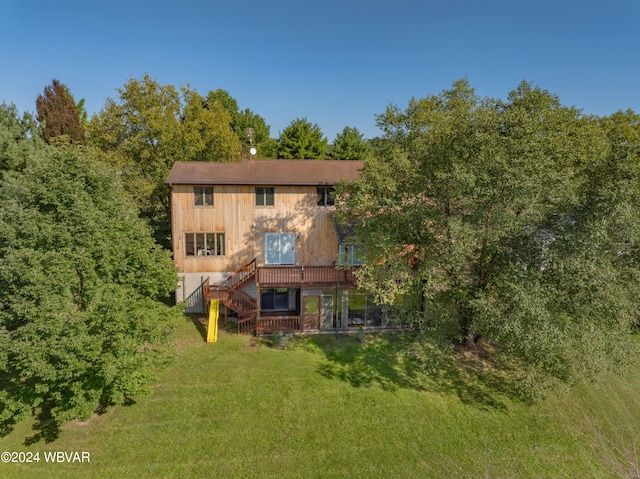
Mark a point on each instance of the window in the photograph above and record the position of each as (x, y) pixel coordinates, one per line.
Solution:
(279, 248)
(326, 197)
(349, 255)
(264, 196)
(204, 244)
(274, 299)
(203, 195)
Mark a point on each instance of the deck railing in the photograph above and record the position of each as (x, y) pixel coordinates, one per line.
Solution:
(247, 326)
(244, 273)
(304, 275)
(197, 300)
(236, 299)
(273, 324)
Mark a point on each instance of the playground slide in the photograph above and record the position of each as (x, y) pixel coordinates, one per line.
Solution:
(212, 326)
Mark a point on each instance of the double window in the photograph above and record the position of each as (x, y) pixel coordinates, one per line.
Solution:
(279, 248)
(326, 197)
(349, 255)
(265, 196)
(203, 195)
(204, 244)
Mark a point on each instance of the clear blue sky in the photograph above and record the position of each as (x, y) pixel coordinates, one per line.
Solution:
(337, 63)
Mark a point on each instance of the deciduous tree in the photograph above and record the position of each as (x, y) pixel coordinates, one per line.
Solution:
(80, 280)
(206, 135)
(486, 209)
(151, 126)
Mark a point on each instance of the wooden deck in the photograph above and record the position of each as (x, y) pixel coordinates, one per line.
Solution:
(304, 276)
(269, 324)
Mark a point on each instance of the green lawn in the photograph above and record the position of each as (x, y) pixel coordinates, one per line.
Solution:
(331, 407)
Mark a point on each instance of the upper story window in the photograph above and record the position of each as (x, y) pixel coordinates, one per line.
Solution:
(326, 197)
(203, 195)
(204, 244)
(265, 196)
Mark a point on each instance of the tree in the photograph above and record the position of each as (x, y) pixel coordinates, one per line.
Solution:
(485, 209)
(19, 137)
(240, 121)
(80, 108)
(80, 280)
(266, 146)
(227, 102)
(58, 114)
(151, 126)
(302, 140)
(349, 145)
(142, 125)
(206, 135)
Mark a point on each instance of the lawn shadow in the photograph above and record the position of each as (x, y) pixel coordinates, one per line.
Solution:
(44, 425)
(413, 361)
(199, 321)
(47, 430)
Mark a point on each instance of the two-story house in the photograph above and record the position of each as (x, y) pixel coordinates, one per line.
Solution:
(258, 235)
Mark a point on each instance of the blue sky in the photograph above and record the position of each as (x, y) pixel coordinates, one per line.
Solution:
(337, 63)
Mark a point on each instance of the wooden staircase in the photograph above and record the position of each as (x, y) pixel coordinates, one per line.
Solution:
(231, 295)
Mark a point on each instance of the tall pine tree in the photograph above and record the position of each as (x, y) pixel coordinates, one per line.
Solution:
(58, 114)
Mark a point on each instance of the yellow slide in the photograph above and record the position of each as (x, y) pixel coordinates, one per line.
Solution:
(212, 327)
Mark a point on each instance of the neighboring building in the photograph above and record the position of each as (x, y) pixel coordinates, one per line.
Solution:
(259, 236)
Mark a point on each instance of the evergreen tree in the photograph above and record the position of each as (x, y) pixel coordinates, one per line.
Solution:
(19, 137)
(58, 114)
(302, 140)
(349, 145)
(266, 146)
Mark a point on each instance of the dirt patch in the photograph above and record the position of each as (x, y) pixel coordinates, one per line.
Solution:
(76, 423)
(479, 358)
(252, 344)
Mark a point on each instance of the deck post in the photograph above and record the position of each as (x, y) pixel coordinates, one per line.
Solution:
(345, 308)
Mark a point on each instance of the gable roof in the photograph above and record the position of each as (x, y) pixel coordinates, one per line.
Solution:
(264, 172)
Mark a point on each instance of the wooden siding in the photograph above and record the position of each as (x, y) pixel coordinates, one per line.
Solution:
(235, 214)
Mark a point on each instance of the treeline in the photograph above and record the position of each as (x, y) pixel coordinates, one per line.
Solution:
(148, 126)
(510, 223)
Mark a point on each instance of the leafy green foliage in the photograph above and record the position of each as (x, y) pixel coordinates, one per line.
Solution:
(349, 145)
(80, 280)
(19, 137)
(267, 146)
(496, 212)
(241, 120)
(205, 132)
(59, 114)
(151, 126)
(224, 99)
(302, 140)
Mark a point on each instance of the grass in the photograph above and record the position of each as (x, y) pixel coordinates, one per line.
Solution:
(331, 407)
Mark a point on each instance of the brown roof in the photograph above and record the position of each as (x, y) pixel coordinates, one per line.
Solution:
(264, 172)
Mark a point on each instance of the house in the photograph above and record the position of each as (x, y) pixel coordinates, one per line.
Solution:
(258, 235)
